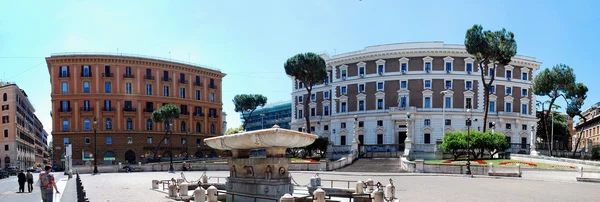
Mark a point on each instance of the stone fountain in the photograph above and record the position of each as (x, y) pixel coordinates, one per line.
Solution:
(259, 177)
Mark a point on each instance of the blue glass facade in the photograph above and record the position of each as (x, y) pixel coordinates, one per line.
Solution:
(272, 114)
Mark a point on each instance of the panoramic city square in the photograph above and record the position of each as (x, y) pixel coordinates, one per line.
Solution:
(293, 101)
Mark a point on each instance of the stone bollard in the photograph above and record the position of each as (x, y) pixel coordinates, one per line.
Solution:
(490, 168)
(154, 184)
(204, 178)
(172, 190)
(179, 181)
(377, 195)
(183, 189)
(315, 181)
(199, 195)
(369, 186)
(211, 194)
(581, 171)
(390, 193)
(359, 187)
(519, 169)
(319, 195)
(287, 198)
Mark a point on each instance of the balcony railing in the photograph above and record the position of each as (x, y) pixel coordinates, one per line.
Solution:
(129, 109)
(166, 79)
(149, 77)
(84, 74)
(213, 86)
(86, 109)
(198, 114)
(128, 76)
(185, 113)
(213, 116)
(108, 109)
(64, 75)
(107, 74)
(65, 109)
(148, 110)
(198, 84)
(183, 81)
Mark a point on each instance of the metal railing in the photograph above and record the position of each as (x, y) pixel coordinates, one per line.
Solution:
(128, 75)
(149, 77)
(219, 179)
(81, 196)
(381, 150)
(84, 74)
(198, 84)
(107, 74)
(88, 109)
(129, 109)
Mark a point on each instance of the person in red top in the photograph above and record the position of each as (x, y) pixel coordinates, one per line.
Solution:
(46, 185)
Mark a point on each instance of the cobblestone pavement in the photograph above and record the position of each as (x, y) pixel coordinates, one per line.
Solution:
(540, 186)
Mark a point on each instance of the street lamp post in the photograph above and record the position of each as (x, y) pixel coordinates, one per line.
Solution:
(95, 145)
(262, 121)
(494, 127)
(170, 133)
(468, 123)
(443, 111)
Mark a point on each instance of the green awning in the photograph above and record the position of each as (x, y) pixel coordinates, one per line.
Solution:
(109, 158)
(88, 159)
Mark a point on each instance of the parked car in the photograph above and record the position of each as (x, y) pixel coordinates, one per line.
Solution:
(12, 170)
(4, 174)
(31, 169)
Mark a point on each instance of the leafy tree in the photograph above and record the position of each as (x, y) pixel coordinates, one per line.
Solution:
(495, 143)
(319, 146)
(478, 143)
(577, 95)
(495, 47)
(561, 128)
(309, 68)
(555, 83)
(247, 103)
(454, 143)
(234, 130)
(167, 113)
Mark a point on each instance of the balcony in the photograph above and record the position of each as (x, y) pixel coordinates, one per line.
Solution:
(183, 81)
(64, 109)
(108, 109)
(107, 75)
(129, 109)
(213, 86)
(149, 110)
(198, 114)
(166, 79)
(86, 109)
(149, 77)
(185, 113)
(213, 116)
(84, 74)
(198, 83)
(128, 76)
(64, 75)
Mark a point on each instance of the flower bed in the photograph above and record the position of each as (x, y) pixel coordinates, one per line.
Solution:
(505, 163)
(481, 162)
(562, 167)
(304, 161)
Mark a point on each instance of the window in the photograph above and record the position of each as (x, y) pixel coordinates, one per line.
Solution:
(326, 80)
(379, 139)
(4, 97)
(427, 103)
(508, 90)
(129, 124)
(109, 140)
(5, 147)
(379, 85)
(361, 105)
(212, 128)
(107, 87)
(448, 66)
(427, 84)
(64, 86)
(127, 88)
(300, 84)
(198, 127)
(379, 103)
(183, 140)
(508, 74)
(300, 99)
(149, 124)
(427, 138)
(448, 122)
(524, 76)
(149, 140)
(343, 90)
(183, 127)
(403, 84)
(468, 85)
(492, 106)
(86, 124)
(197, 94)
(491, 73)
(88, 140)
(5, 107)
(107, 106)
(448, 102)
(107, 71)
(148, 89)
(313, 96)
(64, 106)
(380, 69)
(492, 89)
(212, 97)
(343, 106)
(326, 94)
(403, 67)
(108, 124)
(523, 108)
(343, 140)
(181, 92)
(361, 88)
(66, 141)
(65, 125)
(361, 124)
(313, 112)
(148, 73)
(524, 92)
(5, 119)
(86, 87)
(361, 71)
(343, 125)
(524, 127)
(508, 107)
(448, 84)
(326, 110)
(64, 71)
(343, 73)
(427, 122)
(129, 140)
(379, 122)
(326, 127)
(403, 102)
(166, 91)
(300, 114)
(427, 66)
(166, 140)
(5, 133)
(508, 126)
(312, 129)
(469, 67)
(127, 71)
(85, 71)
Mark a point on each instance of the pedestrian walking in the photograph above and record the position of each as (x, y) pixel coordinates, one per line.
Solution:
(21, 179)
(29, 181)
(46, 184)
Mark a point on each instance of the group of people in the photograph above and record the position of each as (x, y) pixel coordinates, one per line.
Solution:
(46, 182)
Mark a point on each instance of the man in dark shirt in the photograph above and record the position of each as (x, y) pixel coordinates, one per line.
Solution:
(22, 179)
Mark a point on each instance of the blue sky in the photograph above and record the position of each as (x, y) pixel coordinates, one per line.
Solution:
(250, 40)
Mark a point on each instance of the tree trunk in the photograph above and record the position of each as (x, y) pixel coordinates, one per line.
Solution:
(486, 101)
(159, 143)
(579, 137)
(306, 110)
(545, 120)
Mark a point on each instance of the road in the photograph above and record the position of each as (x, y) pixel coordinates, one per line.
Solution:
(10, 186)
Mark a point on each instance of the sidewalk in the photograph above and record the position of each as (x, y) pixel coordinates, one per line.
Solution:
(69, 190)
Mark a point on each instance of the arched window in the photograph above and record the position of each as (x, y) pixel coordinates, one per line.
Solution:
(149, 124)
(183, 126)
(212, 128)
(198, 127)
(5, 97)
(129, 124)
(108, 124)
(65, 124)
(86, 124)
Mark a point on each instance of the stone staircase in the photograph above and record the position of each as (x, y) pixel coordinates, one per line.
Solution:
(374, 165)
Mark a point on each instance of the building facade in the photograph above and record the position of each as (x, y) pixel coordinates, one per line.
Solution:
(107, 100)
(278, 113)
(435, 82)
(21, 141)
(589, 130)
